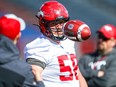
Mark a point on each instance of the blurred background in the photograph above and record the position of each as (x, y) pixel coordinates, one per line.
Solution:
(94, 13)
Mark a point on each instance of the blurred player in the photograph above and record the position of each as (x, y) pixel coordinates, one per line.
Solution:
(13, 71)
(53, 63)
(99, 67)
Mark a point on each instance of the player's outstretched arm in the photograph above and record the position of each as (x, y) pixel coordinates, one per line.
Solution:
(82, 81)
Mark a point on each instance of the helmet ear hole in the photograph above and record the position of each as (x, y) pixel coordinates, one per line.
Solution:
(36, 16)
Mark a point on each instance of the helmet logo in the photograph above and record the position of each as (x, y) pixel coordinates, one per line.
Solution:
(107, 28)
(57, 12)
(40, 13)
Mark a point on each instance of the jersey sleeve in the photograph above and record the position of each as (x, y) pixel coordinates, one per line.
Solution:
(34, 53)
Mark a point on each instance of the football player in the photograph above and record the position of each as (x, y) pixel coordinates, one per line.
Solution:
(52, 55)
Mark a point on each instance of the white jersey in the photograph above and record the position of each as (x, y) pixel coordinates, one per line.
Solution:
(68, 45)
(61, 64)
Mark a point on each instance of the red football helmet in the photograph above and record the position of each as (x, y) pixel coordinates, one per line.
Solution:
(51, 11)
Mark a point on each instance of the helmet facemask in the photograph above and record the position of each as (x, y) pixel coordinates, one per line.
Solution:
(55, 29)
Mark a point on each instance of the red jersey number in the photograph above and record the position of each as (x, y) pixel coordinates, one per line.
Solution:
(65, 68)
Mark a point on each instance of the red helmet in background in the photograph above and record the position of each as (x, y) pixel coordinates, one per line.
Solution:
(11, 25)
(51, 11)
(108, 31)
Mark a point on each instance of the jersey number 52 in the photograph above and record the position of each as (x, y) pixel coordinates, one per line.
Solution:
(68, 71)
